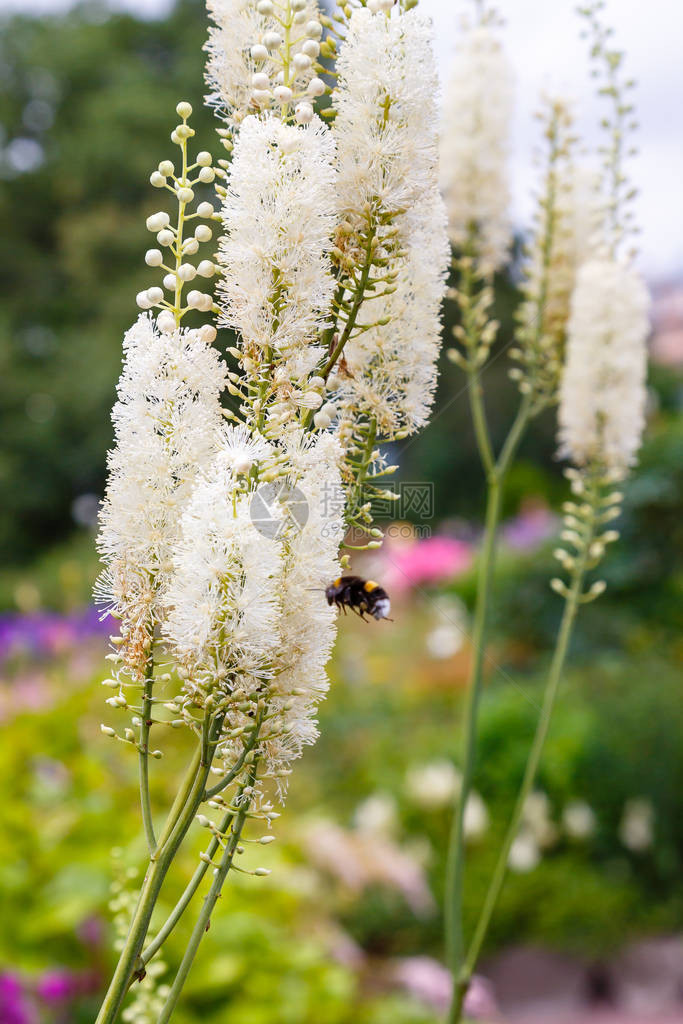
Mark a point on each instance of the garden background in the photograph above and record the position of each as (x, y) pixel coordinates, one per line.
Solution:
(348, 926)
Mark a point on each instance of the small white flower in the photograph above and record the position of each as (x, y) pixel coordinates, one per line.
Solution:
(433, 785)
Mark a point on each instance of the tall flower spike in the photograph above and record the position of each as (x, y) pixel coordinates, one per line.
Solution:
(568, 230)
(308, 626)
(276, 288)
(166, 424)
(392, 221)
(602, 394)
(476, 128)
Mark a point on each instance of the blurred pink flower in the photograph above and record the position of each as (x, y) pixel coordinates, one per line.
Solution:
(358, 859)
(425, 562)
(430, 982)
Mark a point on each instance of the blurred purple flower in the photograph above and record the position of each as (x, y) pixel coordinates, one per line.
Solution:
(57, 985)
(534, 524)
(14, 1009)
(430, 982)
(46, 634)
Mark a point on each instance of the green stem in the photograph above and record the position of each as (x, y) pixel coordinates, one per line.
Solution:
(204, 918)
(456, 850)
(180, 818)
(184, 901)
(143, 759)
(572, 601)
(355, 306)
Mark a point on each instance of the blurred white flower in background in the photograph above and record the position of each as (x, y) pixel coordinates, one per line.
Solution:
(636, 830)
(377, 815)
(579, 820)
(434, 784)
(524, 854)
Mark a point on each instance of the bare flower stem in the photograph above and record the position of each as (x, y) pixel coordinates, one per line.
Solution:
(572, 603)
(210, 900)
(145, 801)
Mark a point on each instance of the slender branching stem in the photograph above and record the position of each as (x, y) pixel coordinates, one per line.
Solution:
(211, 897)
(180, 818)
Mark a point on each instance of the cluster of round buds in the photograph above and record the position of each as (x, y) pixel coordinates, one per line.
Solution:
(286, 69)
(586, 529)
(176, 265)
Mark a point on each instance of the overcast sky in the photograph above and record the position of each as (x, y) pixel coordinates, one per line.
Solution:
(543, 41)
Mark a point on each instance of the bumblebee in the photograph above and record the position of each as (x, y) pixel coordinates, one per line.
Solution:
(361, 596)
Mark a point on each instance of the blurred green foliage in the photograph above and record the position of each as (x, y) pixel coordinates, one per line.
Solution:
(87, 102)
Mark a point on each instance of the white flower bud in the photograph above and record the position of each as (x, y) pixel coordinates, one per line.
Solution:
(203, 233)
(190, 247)
(185, 195)
(107, 730)
(330, 409)
(154, 295)
(316, 87)
(321, 420)
(142, 301)
(169, 282)
(166, 168)
(259, 52)
(184, 110)
(260, 80)
(298, 5)
(265, 7)
(261, 96)
(157, 221)
(272, 40)
(207, 175)
(153, 258)
(300, 17)
(166, 322)
(175, 138)
(204, 159)
(314, 30)
(187, 272)
(301, 62)
(316, 382)
(208, 333)
(206, 269)
(157, 179)
(283, 94)
(303, 112)
(205, 210)
(262, 872)
(199, 300)
(203, 821)
(311, 48)
(166, 237)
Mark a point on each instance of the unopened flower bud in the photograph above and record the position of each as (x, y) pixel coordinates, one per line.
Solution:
(157, 221)
(303, 113)
(184, 110)
(166, 322)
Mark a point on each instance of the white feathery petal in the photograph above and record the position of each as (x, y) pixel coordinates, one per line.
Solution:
(222, 605)
(477, 121)
(166, 424)
(307, 626)
(385, 126)
(391, 370)
(602, 392)
(278, 217)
